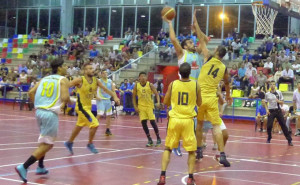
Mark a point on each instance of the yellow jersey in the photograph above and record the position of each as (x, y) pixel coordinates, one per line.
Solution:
(183, 99)
(144, 94)
(85, 93)
(212, 73)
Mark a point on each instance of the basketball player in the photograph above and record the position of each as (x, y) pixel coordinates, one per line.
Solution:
(187, 52)
(183, 95)
(143, 91)
(86, 90)
(50, 96)
(213, 71)
(103, 101)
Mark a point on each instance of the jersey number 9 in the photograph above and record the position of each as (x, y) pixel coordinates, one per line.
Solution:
(183, 98)
(48, 89)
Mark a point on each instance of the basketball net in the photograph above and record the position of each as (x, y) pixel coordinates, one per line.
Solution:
(264, 17)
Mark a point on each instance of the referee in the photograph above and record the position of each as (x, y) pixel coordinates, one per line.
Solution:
(275, 98)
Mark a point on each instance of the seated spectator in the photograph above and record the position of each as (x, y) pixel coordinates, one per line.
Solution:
(161, 34)
(23, 77)
(261, 79)
(262, 117)
(285, 41)
(94, 53)
(244, 41)
(255, 59)
(22, 68)
(32, 33)
(296, 67)
(268, 66)
(236, 45)
(264, 56)
(286, 63)
(287, 76)
(3, 70)
(103, 32)
(180, 37)
(5, 85)
(229, 50)
(247, 56)
(33, 83)
(241, 76)
(234, 71)
(269, 45)
(228, 40)
(252, 81)
(291, 57)
(282, 58)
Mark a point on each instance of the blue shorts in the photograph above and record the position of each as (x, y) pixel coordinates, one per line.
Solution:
(48, 124)
(104, 107)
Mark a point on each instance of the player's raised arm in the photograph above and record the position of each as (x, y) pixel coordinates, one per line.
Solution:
(196, 28)
(32, 92)
(111, 93)
(167, 98)
(156, 93)
(177, 46)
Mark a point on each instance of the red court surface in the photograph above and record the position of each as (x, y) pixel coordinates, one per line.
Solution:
(123, 158)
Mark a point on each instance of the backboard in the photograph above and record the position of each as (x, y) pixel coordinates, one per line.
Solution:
(289, 7)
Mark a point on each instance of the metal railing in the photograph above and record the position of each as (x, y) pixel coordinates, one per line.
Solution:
(116, 74)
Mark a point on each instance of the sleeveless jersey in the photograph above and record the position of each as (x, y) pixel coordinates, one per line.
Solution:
(144, 94)
(196, 62)
(212, 73)
(86, 93)
(47, 95)
(101, 93)
(183, 99)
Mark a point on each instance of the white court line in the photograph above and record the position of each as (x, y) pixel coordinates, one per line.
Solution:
(13, 180)
(75, 156)
(21, 148)
(263, 143)
(214, 176)
(16, 119)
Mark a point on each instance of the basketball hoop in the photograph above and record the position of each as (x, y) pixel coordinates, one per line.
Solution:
(265, 17)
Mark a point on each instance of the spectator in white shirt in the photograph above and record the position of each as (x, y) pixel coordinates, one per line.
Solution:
(236, 45)
(287, 76)
(268, 66)
(291, 57)
(249, 71)
(281, 58)
(296, 67)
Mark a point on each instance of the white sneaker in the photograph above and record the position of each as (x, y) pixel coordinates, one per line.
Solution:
(215, 147)
(280, 132)
(264, 130)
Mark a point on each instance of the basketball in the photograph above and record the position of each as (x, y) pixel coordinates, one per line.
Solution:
(168, 12)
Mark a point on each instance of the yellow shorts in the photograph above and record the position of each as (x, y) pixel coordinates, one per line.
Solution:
(181, 129)
(146, 113)
(86, 118)
(209, 110)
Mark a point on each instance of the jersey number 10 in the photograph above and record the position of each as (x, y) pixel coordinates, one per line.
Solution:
(183, 98)
(213, 73)
(48, 88)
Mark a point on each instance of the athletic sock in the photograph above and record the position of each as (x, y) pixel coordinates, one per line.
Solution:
(29, 161)
(191, 176)
(154, 125)
(146, 129)
(222, 153)
(163, 173)
(41, 162)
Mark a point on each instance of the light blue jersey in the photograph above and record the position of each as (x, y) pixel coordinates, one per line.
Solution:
(47, 95)
(196, 62)
(101, 93)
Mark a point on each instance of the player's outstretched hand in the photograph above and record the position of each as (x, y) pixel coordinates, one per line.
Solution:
(166, 20)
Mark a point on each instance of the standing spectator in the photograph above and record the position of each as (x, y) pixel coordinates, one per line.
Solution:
(282, 58)
(262, 117)
(271, 102)
(235, 33)
(256, 59)
(287, 76)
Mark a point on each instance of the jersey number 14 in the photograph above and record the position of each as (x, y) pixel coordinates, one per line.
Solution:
(213, 73)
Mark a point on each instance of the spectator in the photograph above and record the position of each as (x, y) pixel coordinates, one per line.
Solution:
(22, 68)
(244, 41)
(296, 67)
(229, 50)
(252, 81)
(278, 74)
(262, 117)
(255, 59)
(235, 33)
(33, 83)
(269, 45)
(286, 63)
(247, 56)
(268, 66)
(282, 58)
(161, 34)
(285, 41)
(3, 70)
(261, 79)
(103, 32)
(94, 53)
(241, 75)
(291, 57)
(287, 76)
(236, 48)
(234, 72)
(23, 77)
(228, 40)
(264, 56)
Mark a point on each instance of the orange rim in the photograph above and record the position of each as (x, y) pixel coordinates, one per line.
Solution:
(258, 3)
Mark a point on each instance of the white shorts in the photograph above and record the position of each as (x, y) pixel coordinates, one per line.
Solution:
(104, 107)
(207, 125)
